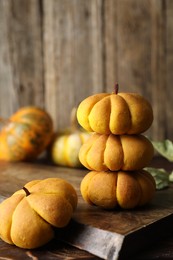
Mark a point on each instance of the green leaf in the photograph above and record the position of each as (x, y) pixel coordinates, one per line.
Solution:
(165, 148)
(171, 177)
(161, 177)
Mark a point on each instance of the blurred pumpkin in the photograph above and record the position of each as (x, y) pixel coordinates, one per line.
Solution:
(64, 149)
(109, 190)
(114, 152)
(28, 217)
(116, 113)
(25, 134)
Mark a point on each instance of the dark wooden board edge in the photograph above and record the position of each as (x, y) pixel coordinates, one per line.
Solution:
(146, 236)
(91, 239)
(111, 245)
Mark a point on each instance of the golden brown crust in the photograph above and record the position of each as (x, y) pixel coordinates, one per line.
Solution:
(128, 190)
(27, 220)
(111, 189)
(110, 152)
(141, 112)
(147, 185)
(85, 108)
(123, 113)
(85, 185)
(99, 188)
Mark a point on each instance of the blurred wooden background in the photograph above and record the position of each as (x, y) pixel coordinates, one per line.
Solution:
(54, 53)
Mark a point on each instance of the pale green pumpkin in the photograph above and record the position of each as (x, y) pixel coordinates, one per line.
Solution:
(64, 150)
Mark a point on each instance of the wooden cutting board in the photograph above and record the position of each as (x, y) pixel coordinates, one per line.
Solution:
(111, 234)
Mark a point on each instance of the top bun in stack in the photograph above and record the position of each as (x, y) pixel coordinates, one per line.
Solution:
(115, 113)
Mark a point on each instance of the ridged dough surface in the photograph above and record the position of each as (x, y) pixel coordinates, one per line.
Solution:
(111, 152)
(123, 113)
(109, 190)
(28, 220)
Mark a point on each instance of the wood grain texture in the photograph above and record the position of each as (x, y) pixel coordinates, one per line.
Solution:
(54, 53)
(133, 46)
(6, 68)
(23, 49)
(73, 54)
(158, 66)
(110, 29)
(55, 250)
(94, 230)
(169, 65)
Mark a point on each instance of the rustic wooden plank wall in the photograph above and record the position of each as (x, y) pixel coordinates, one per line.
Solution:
(54, 53)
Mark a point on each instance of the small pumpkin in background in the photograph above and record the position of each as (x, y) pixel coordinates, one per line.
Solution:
(28, 217)
(64, 149)
(110, 190)
(26, 134)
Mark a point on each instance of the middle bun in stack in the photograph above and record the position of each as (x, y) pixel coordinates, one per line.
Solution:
(116, 152)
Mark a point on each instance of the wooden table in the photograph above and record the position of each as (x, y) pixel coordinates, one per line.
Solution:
(91, 228)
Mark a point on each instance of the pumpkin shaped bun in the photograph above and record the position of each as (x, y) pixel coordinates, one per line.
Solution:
(27, 217)
(113, 152)
(25, 134)
(116, 113)
(109, 190)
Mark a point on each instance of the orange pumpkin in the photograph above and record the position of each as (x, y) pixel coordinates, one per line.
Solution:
(26, 134)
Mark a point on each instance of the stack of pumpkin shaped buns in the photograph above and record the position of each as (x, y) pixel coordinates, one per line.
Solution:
(116, 152)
